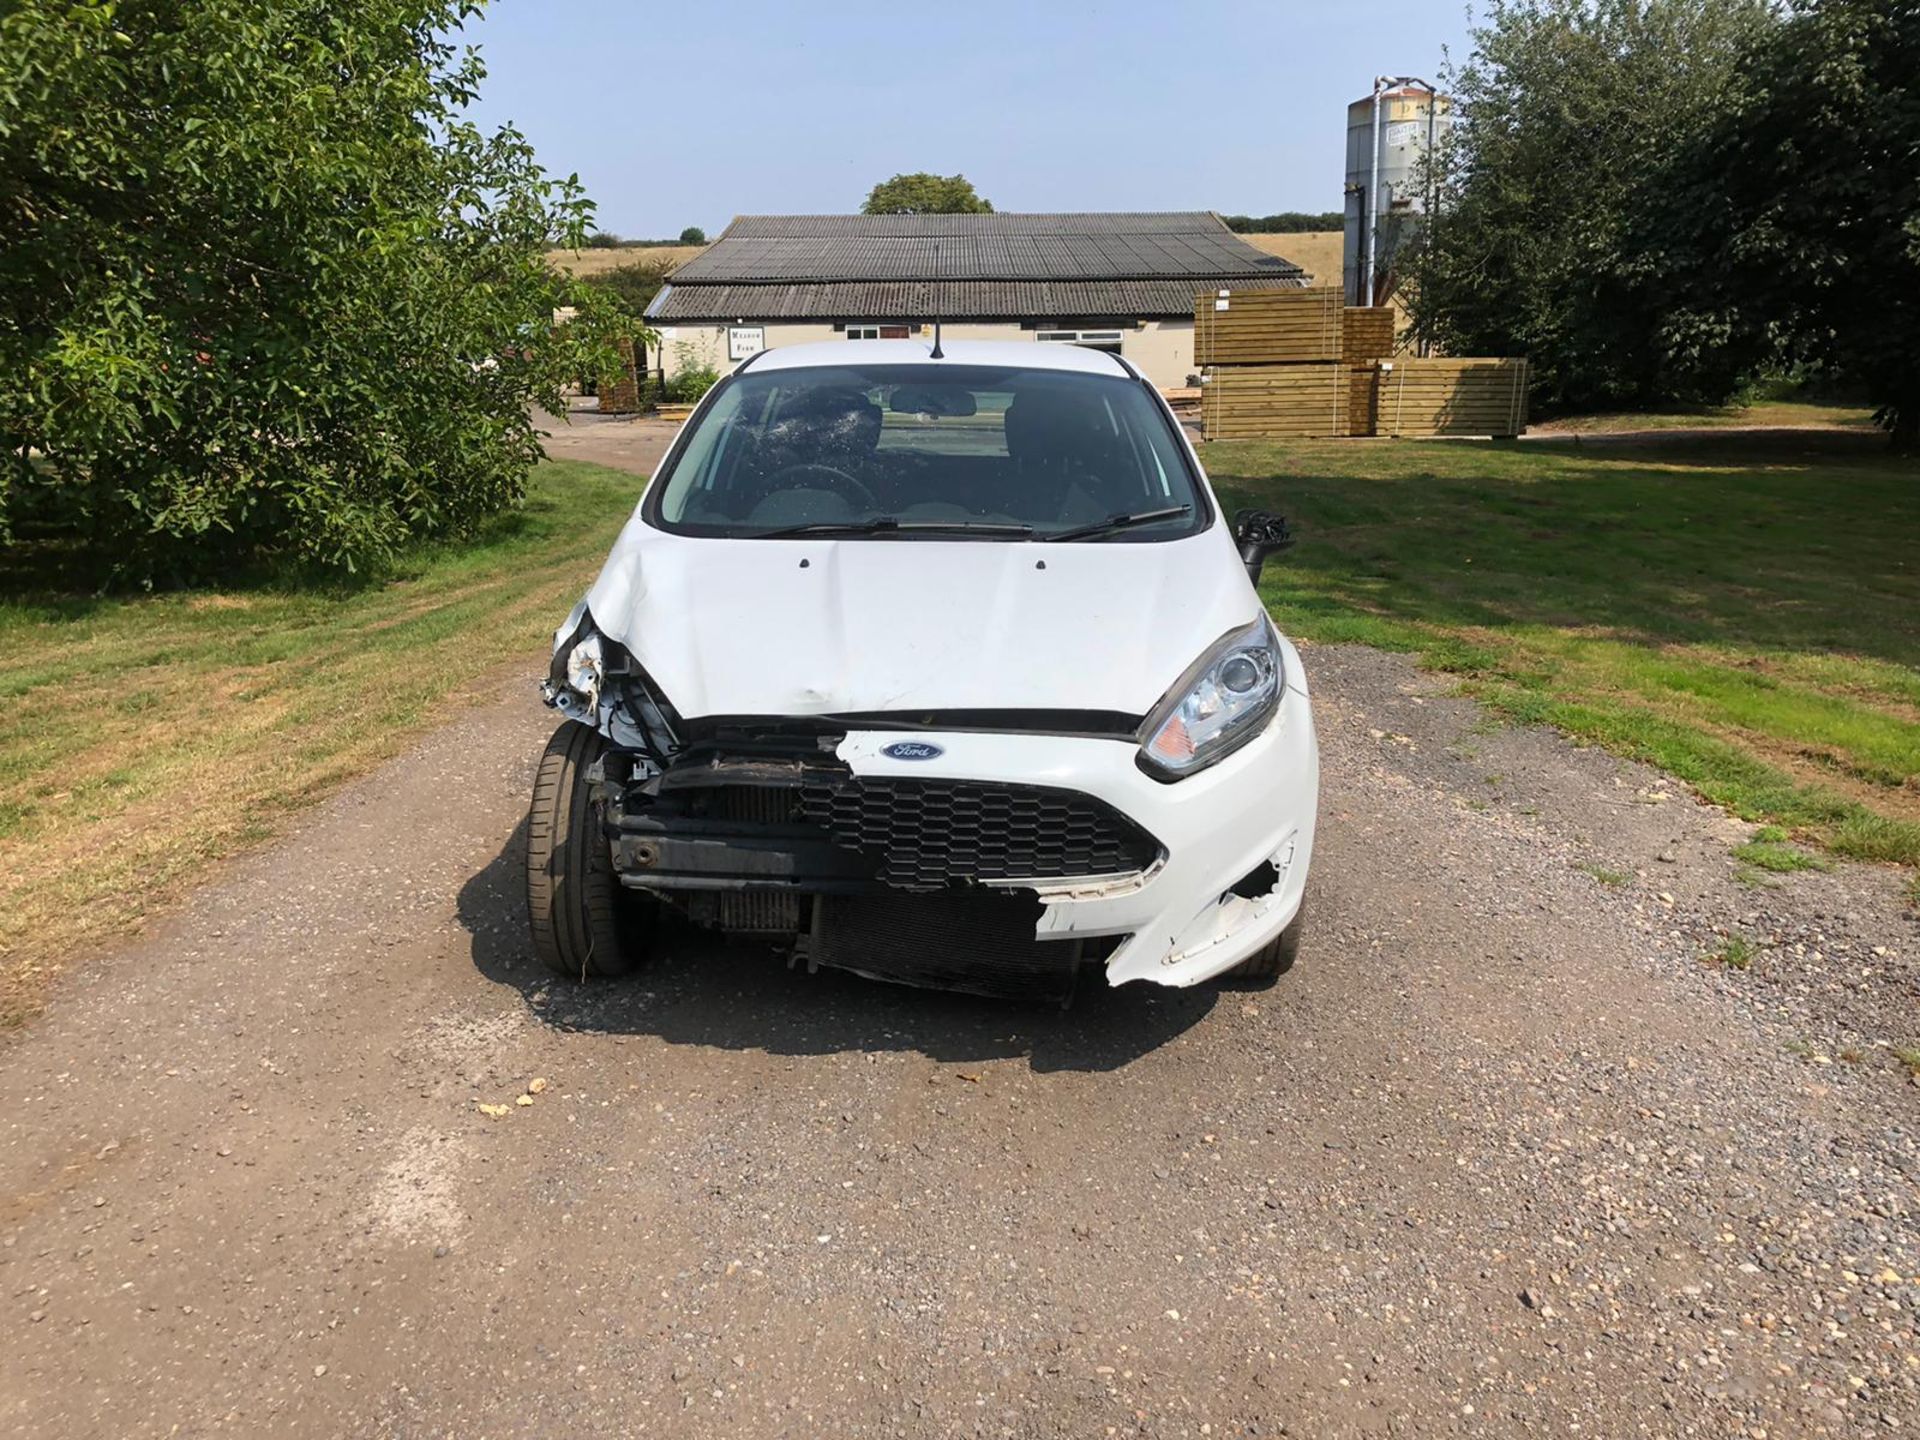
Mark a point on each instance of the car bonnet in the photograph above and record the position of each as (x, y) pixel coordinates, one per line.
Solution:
(821, 626)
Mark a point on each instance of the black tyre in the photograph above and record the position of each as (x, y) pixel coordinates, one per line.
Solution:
(583, 922)
(1276, 957)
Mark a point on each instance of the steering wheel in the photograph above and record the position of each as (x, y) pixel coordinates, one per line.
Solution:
(840, 483)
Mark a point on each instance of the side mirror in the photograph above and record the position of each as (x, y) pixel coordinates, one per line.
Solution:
(1259, 534)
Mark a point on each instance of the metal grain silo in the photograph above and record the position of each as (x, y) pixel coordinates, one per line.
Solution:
(1388, 135)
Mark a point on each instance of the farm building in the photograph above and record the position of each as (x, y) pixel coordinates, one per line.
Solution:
(1119, 282)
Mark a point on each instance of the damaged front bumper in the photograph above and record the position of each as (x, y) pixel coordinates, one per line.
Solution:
(982, 858)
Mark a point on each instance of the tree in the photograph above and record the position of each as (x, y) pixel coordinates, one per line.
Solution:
(1795, 220)
(1287, 222)
(263, 289)
(693, 235)
(632, 286)
(924, 194)
(1571, 113)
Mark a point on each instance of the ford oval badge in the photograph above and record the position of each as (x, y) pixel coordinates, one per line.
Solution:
(912, 750)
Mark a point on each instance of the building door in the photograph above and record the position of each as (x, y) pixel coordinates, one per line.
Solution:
(879, 332)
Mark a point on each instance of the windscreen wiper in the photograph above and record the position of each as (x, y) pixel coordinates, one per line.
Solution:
(888, 525)
(1115, 523)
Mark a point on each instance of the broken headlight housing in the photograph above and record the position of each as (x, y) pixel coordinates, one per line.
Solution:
(587, 668)
(594, 680)
(1223, 701)
(579, 669)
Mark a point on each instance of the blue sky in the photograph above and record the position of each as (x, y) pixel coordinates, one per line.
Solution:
(688, 114)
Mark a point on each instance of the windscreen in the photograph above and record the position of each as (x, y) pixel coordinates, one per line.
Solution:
(947, 451)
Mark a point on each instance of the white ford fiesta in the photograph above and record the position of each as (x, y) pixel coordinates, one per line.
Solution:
(939, 666)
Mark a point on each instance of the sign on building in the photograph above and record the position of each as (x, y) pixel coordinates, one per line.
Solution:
(745, 340)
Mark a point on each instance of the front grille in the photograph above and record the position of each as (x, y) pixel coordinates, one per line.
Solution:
(751, 804)
(930, 834)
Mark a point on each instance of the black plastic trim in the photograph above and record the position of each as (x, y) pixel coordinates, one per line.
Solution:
(1067, 724)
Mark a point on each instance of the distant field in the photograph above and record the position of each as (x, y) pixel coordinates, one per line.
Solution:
(1315, 251)
(1319, 253)
(593, 262)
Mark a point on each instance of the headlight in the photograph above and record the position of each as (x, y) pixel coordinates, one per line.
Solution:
(1217, 706)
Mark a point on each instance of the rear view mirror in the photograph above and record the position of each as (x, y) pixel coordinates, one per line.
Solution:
(936, 402)
(1259, 534)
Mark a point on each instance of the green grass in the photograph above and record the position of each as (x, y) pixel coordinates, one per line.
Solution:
(1603, 874)
(1741, 612)
(1758, 413)
(1735, 953)
(1768, 850)
(1746, 616)
(142, 737)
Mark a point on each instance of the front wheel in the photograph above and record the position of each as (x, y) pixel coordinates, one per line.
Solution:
(1276, 957)
(583, 922)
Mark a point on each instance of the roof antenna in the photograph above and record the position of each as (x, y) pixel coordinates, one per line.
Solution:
(938, 353)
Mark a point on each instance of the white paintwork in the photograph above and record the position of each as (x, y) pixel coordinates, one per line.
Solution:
(920, 624)
(1162, 350)
(740, 627)
(958, 352)
(1218, 824)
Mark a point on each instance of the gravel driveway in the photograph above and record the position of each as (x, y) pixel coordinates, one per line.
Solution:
(1502, 1156)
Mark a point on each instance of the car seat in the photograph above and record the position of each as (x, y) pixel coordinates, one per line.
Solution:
(1067, 456)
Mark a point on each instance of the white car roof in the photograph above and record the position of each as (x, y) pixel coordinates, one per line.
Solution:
(1029, 355)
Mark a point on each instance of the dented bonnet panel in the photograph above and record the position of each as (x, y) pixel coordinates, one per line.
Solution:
(745, 628)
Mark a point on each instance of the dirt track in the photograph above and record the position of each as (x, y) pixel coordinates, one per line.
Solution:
(1501, 1156)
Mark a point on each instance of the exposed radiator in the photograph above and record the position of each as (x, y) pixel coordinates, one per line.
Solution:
(759, 911)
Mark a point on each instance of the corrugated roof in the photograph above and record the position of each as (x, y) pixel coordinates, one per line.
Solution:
(992, 222)
(945, 299)
(785, 249)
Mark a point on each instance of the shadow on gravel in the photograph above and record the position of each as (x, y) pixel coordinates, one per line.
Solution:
(702, 991)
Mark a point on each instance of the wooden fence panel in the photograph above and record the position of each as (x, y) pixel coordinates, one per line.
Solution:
(1265, 327)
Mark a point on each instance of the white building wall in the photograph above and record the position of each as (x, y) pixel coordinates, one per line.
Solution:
(1162, 349)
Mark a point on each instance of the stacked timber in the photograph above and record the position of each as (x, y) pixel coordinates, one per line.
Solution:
(1363, 398)
(1250, 402)
(1366, 333)
(1273, 359)
(1288, 364)
(1267, 327)
(620, 391)
(1451, 397)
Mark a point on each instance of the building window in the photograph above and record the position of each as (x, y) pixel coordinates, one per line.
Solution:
(878, 332)
(1107, 340)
